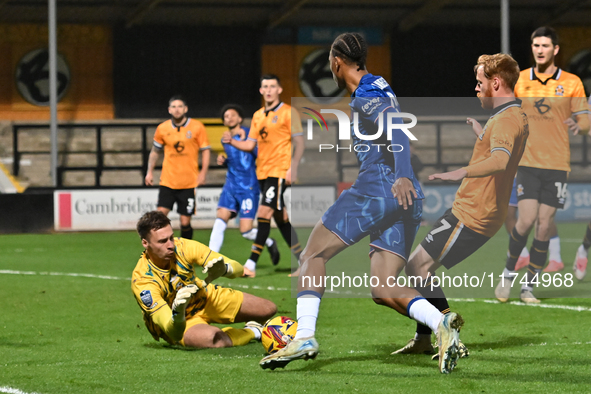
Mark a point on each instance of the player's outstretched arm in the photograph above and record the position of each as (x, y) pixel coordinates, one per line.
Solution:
(456, 175)
(497, 162)
(476, 127)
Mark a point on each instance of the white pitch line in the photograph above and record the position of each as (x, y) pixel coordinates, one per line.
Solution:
(558, 344)
(11, 272)
(10, 390)
(273, 288)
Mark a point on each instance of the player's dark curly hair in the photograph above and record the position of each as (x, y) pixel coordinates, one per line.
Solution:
(235, 107)
(545, 31)
(352, 48)
(153, 220)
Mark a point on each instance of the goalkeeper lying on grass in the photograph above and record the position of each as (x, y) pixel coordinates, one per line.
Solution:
(177, 305)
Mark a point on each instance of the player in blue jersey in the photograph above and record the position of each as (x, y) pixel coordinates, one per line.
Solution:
(240, 195)
(385, 202)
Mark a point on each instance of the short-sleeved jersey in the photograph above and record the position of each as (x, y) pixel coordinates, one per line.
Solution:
(273, 130)
(154, 287)
(181, 145)
(481, 203)
(381, 161)
(241, 165)
(548, 100)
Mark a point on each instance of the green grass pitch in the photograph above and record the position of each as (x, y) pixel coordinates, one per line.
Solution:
(84, 334)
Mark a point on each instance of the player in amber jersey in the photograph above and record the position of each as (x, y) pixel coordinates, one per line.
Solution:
(551, 99)
(181, 138)
(177, 305)
(481, 202)
(273, 131)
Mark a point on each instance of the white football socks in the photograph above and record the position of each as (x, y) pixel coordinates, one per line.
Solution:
(307, 313)
(257, 333)
(251, 265)
(425, 313)
(217, 235)
(554, 249)
(582, 252)
(251, 235)
(508, 274)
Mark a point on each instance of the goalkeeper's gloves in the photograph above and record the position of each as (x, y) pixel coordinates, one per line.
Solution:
(183, 296)
(216, 268)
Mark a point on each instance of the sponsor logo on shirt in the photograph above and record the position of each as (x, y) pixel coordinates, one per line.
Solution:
(146, 298)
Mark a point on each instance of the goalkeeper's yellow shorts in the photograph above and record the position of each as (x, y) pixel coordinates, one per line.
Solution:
(222, 306)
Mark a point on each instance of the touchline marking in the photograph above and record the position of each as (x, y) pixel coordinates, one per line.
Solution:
(273, 288)
(547, 306)
(10, 390)
(557, 344)
(11, 272)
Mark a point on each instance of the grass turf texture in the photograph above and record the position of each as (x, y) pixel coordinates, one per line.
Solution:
(64, 334)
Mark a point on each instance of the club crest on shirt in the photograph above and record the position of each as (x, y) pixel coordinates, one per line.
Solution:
(146, 298)
(189, 135)
(274, 120)
(559, 90)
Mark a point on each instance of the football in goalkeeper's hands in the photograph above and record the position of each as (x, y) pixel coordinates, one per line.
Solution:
(277, 333)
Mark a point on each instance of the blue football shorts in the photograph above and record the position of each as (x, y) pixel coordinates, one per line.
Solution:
(242, 202)
(354, 216)
(513, 199)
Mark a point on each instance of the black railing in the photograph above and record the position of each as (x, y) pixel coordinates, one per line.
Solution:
(99, 152)
(442, 166)
(144, 150)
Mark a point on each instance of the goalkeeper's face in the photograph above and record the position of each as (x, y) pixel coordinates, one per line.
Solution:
(160, 244)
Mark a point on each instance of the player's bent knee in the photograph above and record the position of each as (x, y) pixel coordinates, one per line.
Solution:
(269, 309)
(379, 301)
(265, 212)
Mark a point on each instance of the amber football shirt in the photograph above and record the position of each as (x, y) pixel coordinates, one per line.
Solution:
(181, 145)
(481, 203)
(273, 131)
(548, 100)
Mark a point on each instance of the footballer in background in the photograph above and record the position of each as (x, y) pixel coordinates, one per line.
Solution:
(241, 192)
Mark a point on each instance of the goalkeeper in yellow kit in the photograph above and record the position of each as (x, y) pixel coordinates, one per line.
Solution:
(177, 305)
